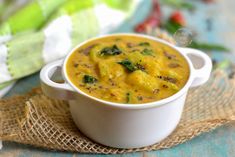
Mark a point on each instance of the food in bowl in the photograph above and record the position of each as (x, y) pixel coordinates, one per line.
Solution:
(127, 69)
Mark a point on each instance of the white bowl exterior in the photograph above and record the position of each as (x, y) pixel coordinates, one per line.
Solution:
(126, 128)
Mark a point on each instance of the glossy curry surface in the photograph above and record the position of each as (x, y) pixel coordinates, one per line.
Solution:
(127, 69)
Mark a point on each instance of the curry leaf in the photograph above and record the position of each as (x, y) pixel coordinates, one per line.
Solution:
(208, 46)
(171, 26)
(128, 65)
(144, 44)
(114, 50)
(89, 79)
(147, 52)
(179, 4)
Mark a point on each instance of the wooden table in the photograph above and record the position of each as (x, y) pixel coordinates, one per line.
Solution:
(218, 143)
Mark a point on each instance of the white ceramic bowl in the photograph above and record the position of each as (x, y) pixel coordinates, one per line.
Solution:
(126, 125)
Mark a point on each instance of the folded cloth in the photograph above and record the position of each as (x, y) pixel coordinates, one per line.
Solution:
(30, 17)
(27, 52)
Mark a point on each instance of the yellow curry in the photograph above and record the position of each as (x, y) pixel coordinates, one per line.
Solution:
(127, 69)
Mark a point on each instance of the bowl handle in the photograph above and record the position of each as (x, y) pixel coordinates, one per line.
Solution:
(202, 65)
(53, 89)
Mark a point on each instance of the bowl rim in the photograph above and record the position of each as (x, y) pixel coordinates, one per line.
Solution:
(132, 106)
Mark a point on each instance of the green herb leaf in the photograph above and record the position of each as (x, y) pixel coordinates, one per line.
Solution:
(179, 4)
(171, 26)
(128, 65)
(144, 44)
(187, 6)
(110, 51)
(148, 52)
(89, 79)
(208, 46)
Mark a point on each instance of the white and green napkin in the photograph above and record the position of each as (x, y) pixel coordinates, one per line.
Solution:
(46, 30)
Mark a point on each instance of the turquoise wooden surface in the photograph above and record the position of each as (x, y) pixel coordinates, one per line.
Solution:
(218, 143)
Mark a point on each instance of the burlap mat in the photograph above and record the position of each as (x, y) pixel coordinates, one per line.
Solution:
(43, 122)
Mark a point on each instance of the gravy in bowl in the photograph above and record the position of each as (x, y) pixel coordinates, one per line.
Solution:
(127, 69)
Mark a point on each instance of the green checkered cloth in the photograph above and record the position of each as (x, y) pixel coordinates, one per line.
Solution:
(46, 30)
